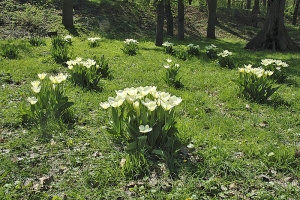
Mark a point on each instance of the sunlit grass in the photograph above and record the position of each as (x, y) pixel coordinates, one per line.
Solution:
(245, 147)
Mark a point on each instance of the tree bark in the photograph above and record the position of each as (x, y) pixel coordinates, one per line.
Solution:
(67, 13)
(273, 35)
(295, 14)
(212, 18)
(180, 20)
(264, 3)
(168, 10)
(159, 23)
(255, 11)
(228, 3)
(248, 4)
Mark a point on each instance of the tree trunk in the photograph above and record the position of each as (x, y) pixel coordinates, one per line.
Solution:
(295, 14)
(248, 4)
(180, 20)
(212, 19)
(255, 11)
(169, 15)
(228, 3)
(67, 13)
(264, 3)
(159, 23)
(273, 34)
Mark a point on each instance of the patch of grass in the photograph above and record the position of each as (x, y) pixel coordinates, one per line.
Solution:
(234, 139)
(240, 149)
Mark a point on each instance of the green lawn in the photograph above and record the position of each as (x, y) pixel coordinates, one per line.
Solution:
(242, 149)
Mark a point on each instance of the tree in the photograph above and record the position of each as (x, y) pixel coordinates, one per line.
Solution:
(273, 35)
(67, 13)
(228, 3)
(212, 18)
(159, 23)
(295, 14)
(255, 11)
(248, 4)
(169, 15)
(180, 20)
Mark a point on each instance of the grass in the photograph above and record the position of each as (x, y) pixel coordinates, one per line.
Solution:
(241, 149)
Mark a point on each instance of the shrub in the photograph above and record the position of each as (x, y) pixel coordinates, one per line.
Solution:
(9, 51)
(193, 50)
(104, 67)
(181, 53)
(59, 49)
(48, 100)
(255, 83)
(84, 73)
(94, 42)
(37, 41)
(168, 47)
(277, 66)
(211, 51)
(145, 119)
(225, 59)
(130, 47)
(68, 39)
(172, 78)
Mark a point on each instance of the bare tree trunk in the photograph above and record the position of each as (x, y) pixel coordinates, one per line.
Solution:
(295, 14)
(248, 4)
(255, 11)
(180, 20)
(169, 15)
(67, 13)
(274, 34)
(264, 3)
(228, 3)
(159, 23)
(212, 18)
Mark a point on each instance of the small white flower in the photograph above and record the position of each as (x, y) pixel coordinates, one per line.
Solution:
(32, 100)
(167, 66)
(167, 44)
(145, 129)
(169, 60)
(42, 76)
(105, 105)
(35, 83)
(36, 89)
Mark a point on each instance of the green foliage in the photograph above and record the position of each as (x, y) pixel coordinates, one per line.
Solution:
(104, 67)
(59, 49)
(181, 53)
(172, 78)
(168, 46)
(85, 73)
(193, 50)
(225, 59)
(37, 41)
(255, 83)
(211, 51)
(130, 47)
(9, 51)
(94, 42)
(49, 101)
(135, 165)
(145, 120)
(277, 67)
(5, 78)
